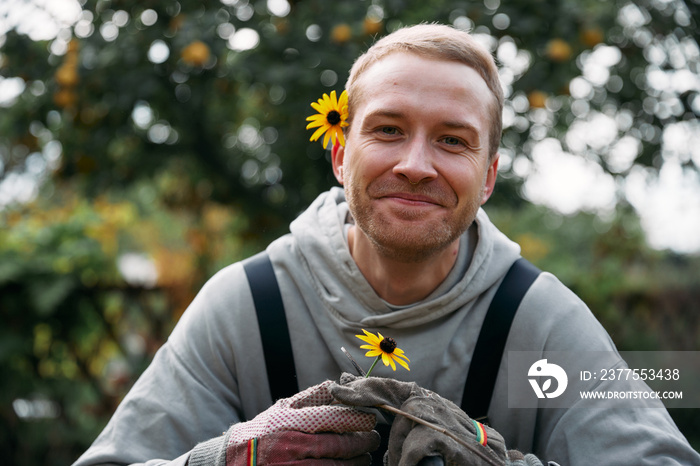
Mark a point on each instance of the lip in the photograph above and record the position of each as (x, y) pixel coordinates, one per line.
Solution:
(411, 198)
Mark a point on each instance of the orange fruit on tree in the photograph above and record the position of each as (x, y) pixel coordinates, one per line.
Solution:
(67, 76)
(372, 26)
(196, 54)
(592, 36)
(558, 50)
(341, 33)
(537, 99)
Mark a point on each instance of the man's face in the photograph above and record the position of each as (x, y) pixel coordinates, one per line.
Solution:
(415, 166)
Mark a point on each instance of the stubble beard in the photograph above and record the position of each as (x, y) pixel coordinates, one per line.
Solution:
(413, 244)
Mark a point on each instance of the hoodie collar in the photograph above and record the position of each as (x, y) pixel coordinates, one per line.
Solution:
(319, 232)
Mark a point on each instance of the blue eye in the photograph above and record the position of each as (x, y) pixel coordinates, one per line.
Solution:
(451, 141)
(389, 130)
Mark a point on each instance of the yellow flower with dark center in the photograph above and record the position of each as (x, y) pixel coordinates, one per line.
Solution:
(384, 348)
(330, 119)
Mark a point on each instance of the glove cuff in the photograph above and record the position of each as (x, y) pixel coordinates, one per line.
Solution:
(209, 453)
(515, 458)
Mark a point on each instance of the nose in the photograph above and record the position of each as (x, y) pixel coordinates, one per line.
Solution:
(416, 163)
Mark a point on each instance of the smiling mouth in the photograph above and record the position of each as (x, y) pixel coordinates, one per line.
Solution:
(423, 195)
(412, 199)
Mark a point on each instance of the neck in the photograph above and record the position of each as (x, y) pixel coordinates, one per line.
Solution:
(398, 282)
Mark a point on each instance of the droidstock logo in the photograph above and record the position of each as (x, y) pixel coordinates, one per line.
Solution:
(543, 370)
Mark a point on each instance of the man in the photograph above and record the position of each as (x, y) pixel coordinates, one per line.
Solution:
(404, 250)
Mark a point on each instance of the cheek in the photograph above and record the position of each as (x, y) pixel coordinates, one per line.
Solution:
(367, 167)
(465, 181)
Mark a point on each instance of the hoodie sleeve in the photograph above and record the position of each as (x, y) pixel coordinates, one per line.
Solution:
(554, 319)
(190, 393)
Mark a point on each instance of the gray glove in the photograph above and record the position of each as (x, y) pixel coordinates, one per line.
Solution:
(409, 442)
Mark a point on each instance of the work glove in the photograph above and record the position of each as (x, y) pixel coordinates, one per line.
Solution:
(304, 429)
(410, 442)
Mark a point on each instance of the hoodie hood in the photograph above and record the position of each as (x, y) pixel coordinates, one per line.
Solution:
(319, 234)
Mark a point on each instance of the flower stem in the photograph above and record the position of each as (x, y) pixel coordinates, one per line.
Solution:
(373, 364)
(478, 452)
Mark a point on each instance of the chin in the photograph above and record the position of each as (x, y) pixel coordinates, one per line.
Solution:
(412, 245)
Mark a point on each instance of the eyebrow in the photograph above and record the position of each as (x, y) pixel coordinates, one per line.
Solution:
(384, 113)
(463, 125)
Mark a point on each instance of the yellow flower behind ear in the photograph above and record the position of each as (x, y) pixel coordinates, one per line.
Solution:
(330, 119)
(384, 348)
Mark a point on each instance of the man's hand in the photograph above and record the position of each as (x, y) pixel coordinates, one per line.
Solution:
(304, 429)
(409, 442)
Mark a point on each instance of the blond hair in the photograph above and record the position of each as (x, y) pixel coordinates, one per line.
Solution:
(438, 42)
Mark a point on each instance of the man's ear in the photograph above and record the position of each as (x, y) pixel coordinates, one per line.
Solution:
(337, 157)
(491, 175)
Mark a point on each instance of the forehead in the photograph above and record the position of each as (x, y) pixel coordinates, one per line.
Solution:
(422, 84)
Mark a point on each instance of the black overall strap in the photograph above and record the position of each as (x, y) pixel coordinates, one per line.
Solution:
(483, 370)
(486, 360)
(277, 346)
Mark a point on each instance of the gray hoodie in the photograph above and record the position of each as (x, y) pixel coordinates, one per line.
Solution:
(210, 373)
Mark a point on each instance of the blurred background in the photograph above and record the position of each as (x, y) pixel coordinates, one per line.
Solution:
(145, 144)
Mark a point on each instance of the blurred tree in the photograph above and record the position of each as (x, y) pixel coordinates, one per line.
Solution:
(146, 144)
(89, 290)
(207, 99)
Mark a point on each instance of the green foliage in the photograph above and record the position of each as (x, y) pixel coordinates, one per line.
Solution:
(76, 330)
